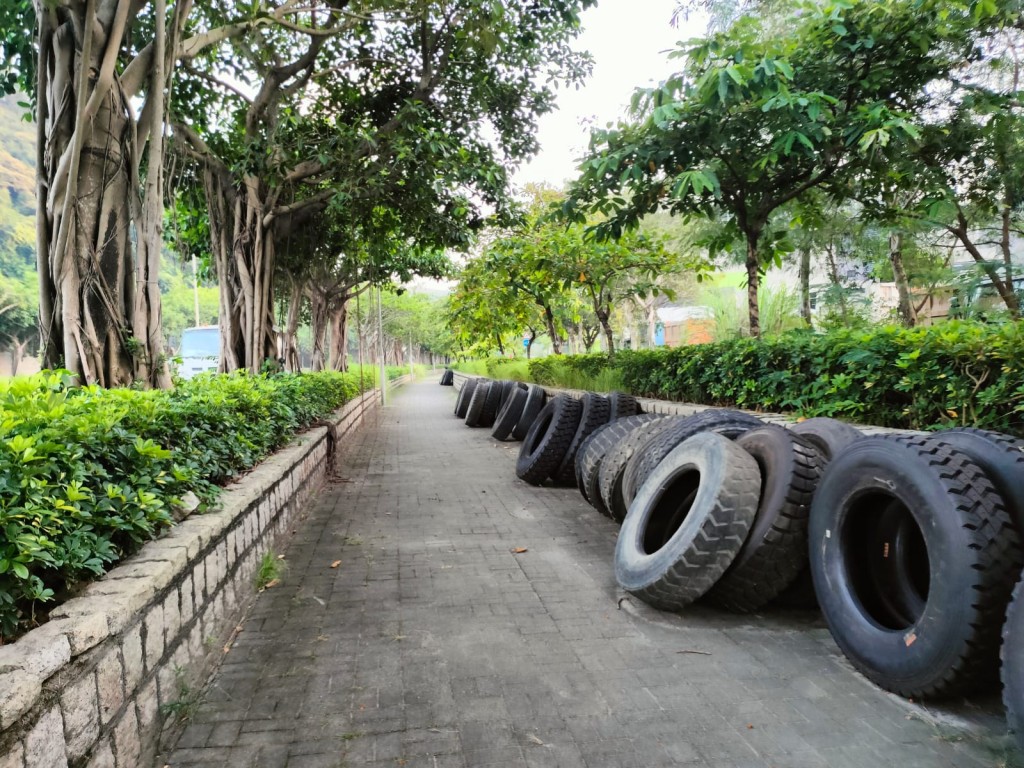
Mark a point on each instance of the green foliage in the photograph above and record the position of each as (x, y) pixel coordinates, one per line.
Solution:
(758, 116)
(87, 475)
(269, 571)
(957, 373)
(590, 372)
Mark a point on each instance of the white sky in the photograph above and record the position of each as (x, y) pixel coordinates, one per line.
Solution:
(629, 41)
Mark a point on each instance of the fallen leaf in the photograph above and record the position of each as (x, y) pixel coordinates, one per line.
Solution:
(535, 740)
(519, 550)
(336, 563)
(280, 557)
(272, 583)
(750, 727)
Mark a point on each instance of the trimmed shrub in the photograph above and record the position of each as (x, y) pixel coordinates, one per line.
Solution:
(88, 474)
(953, 374)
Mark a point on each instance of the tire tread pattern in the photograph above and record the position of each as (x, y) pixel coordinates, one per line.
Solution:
(782, 552)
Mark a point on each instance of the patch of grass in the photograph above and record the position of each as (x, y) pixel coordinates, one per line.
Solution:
(189, 700)
(351, 736)
(269, 571)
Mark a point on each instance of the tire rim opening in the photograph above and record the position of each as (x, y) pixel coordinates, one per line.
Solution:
(886, 560)
(538, 436)
(670, 510)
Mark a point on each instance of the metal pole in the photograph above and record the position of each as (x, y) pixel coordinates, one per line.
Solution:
(380, 334)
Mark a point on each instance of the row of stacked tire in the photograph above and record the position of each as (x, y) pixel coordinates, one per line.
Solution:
(911, 542)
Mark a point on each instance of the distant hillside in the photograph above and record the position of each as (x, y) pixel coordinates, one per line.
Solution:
(17, 190)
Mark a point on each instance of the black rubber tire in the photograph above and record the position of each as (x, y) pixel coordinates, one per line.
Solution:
(478, 402)
(622, 405)
(776, 550)
(613, 467)
(447, 378)
(491, 405)
(1013, 664)
(688, 523)
(536, 397)
(509, 414)
(962, 560)
(465, 396)
(548, 439)
(726, 422)
(829, 436)
(596, 412)
(1002, 459)
(593, 450)
(507, 387)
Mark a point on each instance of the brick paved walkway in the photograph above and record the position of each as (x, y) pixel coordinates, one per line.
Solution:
(432, 645)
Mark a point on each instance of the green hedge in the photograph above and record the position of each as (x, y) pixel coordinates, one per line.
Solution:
(946, 375)
(87, 474)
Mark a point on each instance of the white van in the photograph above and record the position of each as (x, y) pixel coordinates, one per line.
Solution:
(199, 351)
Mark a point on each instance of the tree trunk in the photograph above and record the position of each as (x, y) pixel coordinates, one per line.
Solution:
(805, 285)
(753, 282)
(549, 322)
(603, 317)
(1003, 287)
(833, 274)
(245, 271)
(87, 297)
(150, 360)
(339, 335)
(318, 321)
(906, 305)
(290, 352)
(17, 353)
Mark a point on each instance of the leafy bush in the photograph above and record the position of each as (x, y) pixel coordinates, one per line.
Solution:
(87, 474)
(956, 373)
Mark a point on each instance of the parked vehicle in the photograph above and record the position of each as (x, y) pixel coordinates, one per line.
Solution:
(199, 351)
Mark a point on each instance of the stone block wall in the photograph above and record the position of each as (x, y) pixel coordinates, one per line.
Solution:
(94, 686)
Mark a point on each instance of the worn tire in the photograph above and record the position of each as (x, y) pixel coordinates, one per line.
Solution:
(536, 397)
(898, 515)
(1002, 459)
(484, 398)
(507, 387)
(548, 439)
(724, 421)
(613, 467)
(829, 436)
(1013, 664)
(688, 522)
(595, 413)
(465, 396)
(776, 550)
(509, 414)
(593, 450)
(447, 378)
(621, 405)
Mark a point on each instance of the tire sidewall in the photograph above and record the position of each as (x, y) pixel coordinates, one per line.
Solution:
(634, 568)
(935, 640)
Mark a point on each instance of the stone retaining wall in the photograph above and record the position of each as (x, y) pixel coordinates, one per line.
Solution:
(96, 684)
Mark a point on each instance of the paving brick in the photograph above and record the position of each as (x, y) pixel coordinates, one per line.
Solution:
(431, 644)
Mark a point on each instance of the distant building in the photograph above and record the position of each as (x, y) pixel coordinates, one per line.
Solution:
(678, 326)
